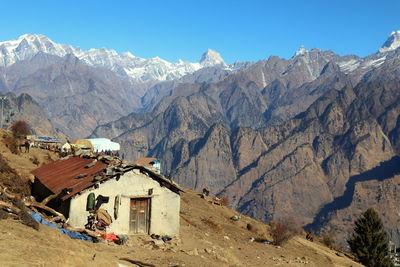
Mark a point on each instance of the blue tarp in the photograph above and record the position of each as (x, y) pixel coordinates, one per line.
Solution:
(75, 235)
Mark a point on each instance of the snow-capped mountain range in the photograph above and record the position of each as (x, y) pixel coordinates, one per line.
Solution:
(139, 69)
(125, 64)
(351, 63)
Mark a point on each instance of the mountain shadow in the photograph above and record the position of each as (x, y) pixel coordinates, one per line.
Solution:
(385, 170)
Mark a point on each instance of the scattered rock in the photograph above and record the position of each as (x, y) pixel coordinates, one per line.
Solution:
(193, 252)
(235, 217)
(157, 242)
(221, 258)
(226, 237)
(208, 250)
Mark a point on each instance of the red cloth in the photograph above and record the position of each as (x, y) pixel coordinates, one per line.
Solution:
(112, 237)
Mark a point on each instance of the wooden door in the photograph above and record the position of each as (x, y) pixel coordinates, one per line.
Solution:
(140, 215)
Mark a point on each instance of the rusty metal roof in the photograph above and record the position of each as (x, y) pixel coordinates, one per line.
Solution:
(62, 174)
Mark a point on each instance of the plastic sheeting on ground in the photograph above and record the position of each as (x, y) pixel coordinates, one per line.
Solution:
(74, 235)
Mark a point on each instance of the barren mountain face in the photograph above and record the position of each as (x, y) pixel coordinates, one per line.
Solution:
(314, 147)
(26, 109)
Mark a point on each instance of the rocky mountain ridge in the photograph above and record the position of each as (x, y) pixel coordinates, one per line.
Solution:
(25, 108)
(125, 65)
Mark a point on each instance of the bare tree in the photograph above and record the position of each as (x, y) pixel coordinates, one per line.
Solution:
(20, 129)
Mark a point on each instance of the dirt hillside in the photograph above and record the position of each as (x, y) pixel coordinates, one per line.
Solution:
(208, 237)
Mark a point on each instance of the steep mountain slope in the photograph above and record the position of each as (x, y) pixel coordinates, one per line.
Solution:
(266, 91)
(26, 109)
(327, 156)
(75, 96)
(299, 137)
(249, 98)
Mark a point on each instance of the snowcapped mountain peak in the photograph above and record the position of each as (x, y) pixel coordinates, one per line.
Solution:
(126, 64)
(301, 51)
(27, 46)
(211, 58)
(128, 54)
(31, 36)
(392, 43)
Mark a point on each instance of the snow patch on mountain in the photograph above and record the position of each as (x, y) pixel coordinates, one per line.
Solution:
(124, 64)
(301, 51)
(349, 66)
(211, 58)
(392, 43)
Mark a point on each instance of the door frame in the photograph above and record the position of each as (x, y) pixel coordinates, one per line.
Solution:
(147, 231)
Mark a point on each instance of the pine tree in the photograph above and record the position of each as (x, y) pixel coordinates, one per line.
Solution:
(369, 241)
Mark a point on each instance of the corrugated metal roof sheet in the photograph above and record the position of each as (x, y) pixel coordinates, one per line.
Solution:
(61, 174)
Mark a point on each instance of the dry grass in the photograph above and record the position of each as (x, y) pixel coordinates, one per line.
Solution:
(4, 167)
(11, 143)
(11, 179)
(190, 222)
(212, 224)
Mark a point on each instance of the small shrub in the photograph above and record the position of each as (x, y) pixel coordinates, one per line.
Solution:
(214, 225)
(328, 240)
(35, 160)
(311, 236)
(283, 230)
(224, 201)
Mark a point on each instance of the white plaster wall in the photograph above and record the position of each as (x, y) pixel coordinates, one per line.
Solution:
(164, 211)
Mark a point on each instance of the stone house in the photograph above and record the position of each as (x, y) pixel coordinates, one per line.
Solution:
(139, 200)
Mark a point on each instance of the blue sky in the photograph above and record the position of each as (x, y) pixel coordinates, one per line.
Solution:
(239, 30)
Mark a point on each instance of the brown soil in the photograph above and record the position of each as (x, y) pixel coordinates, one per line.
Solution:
(208, 237)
